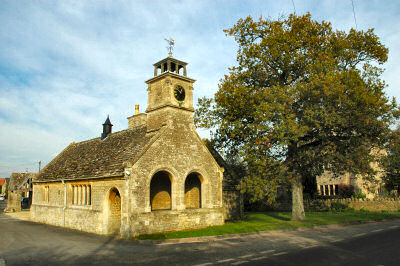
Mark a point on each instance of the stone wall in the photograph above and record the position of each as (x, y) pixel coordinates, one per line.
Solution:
(14, 201)
(170, 220)
(92, 216)
(233, 205)
(179, 152)
(388, 204)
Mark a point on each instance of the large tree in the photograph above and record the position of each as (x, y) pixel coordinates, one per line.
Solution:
(302, 99)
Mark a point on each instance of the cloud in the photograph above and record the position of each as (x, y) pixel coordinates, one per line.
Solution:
(66, 65)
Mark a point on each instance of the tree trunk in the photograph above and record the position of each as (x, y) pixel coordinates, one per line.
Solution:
(297, 202)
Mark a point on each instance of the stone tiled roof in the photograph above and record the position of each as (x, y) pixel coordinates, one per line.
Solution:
(97, 158)
(18, 180)
(231, 179)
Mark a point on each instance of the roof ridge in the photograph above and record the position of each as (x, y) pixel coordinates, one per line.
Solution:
(112, 134)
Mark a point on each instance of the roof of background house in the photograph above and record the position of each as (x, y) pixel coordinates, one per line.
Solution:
(18, 180)
(97, 158)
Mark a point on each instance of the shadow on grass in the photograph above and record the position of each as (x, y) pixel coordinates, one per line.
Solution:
(275, 215)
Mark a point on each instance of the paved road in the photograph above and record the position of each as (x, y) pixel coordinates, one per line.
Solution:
(26, 243)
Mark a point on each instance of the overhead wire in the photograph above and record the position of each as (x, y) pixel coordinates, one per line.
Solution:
(354, 13)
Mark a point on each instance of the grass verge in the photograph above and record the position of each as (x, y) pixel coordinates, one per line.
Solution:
(255, 222)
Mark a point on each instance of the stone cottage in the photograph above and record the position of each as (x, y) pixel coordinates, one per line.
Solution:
(155, 176)
(328, 184)
(20, 186)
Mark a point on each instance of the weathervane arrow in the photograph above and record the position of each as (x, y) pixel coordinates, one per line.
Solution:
(170, 47)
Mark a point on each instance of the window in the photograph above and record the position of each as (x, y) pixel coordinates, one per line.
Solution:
(46, 194)
(81, 195)
(332, 192)
(321, 189)
(336, 189)
(326, 190)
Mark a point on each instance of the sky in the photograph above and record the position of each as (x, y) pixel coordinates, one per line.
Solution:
(66, 65)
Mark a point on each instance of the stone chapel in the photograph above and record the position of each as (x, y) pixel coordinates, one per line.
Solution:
(155, 176)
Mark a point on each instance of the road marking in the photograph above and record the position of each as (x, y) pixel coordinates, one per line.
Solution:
(2, 262)
(311, 246)
(260, 258)
(240, 262)
(280, 253)
(394, 226)
(226, 260)
(362, 234)
(337, 240)
(204, 264)
(377, 230)
(246, 256)
(267, 251)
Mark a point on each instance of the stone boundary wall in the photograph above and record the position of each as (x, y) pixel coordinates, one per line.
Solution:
(388, 204)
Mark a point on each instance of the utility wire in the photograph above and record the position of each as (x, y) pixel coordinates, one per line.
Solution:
(294, 7)
(354, 13)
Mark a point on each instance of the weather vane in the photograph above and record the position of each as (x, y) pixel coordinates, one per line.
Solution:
(170, 46)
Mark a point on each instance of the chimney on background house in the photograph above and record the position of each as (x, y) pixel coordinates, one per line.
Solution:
(107, 128)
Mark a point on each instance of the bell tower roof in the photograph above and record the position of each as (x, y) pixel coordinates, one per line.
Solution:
(172, 66)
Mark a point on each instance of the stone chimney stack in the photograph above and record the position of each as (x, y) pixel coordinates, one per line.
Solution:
(107, 128)
(137, 119)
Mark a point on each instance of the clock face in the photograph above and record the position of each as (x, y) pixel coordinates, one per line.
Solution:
(179, 93)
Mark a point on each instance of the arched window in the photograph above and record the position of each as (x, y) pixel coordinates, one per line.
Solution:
(193, 191)
(160, 191)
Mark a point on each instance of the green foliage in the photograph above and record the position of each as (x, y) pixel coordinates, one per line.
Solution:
(303, 99)
(340, 207)
(391, 162)
(346, 191)
(359, 195)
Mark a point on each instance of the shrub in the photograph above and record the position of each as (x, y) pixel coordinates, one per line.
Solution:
(346, 191)
(340, 207)
(360, 195)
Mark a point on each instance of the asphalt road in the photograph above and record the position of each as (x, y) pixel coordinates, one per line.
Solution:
(378, 243)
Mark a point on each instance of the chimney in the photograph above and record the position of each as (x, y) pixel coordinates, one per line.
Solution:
(136, 109)
(107, 128)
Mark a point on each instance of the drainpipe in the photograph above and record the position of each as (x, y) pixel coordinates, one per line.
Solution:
(65, 201)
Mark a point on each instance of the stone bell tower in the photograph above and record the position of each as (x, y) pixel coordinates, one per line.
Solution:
(170, 94)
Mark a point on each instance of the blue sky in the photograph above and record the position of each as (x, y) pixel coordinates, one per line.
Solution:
(66, 65)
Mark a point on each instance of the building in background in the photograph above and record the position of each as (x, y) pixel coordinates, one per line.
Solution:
(20, 186)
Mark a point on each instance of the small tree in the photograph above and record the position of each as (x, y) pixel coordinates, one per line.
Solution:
(303, 99)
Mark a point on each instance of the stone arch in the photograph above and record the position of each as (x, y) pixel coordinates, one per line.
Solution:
(114, 211)
(161, 191)
(193, 195)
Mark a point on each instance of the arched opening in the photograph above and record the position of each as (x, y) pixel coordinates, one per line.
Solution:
(193, 191)
(160, 191)
(114, 219)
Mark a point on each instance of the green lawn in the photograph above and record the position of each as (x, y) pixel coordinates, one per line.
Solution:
(254, 222)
